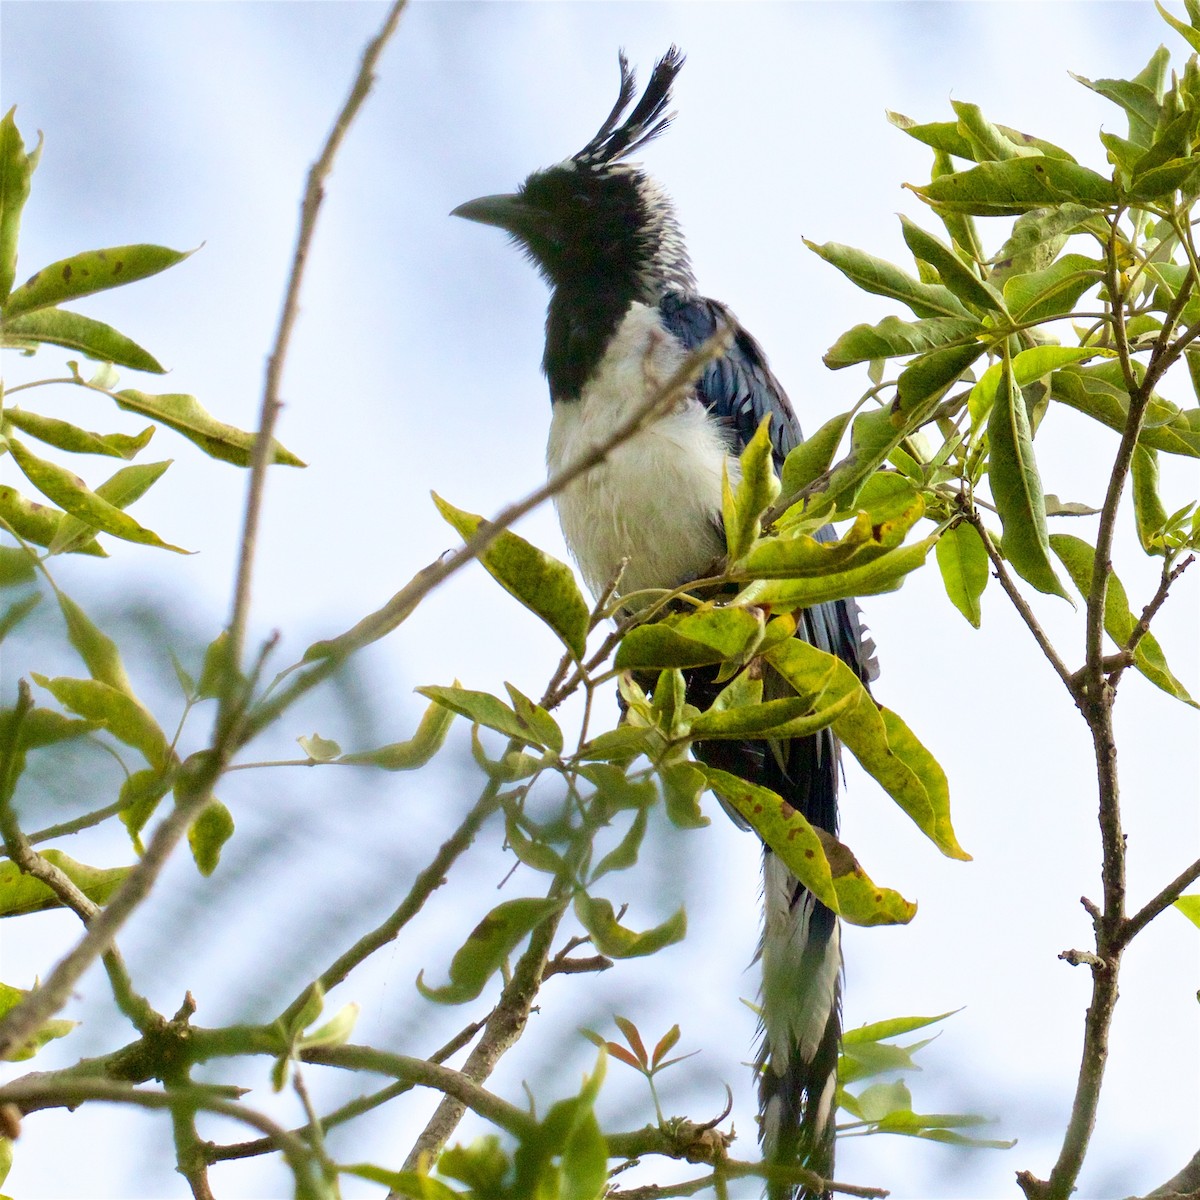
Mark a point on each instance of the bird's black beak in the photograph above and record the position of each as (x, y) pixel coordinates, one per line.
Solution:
(507, 212)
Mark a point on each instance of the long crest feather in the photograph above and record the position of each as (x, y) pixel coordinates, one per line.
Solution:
(612, 142)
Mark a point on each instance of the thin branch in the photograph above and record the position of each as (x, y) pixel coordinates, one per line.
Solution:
(314, 194)
(504, 1027)
(1169, 576)
(325, 657)
(1135, 924)
(1000, 567)
(425, 884)
(34, 1095)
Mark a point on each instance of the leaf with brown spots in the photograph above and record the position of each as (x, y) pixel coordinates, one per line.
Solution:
(88, 272)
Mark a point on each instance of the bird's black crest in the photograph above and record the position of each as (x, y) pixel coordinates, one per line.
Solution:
(613, 142)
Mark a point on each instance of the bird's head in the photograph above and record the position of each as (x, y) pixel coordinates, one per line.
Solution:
(594, 220)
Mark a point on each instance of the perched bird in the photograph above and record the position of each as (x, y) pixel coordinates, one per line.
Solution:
(624, 311)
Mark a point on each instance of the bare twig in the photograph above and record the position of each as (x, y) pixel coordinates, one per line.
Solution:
(1135, 924)
(314, 194)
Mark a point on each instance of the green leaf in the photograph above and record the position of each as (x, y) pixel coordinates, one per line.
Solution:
(71, 438)
(786, 830)
(1094, 391)
(683, 784)
(624, 854)
(217, 670)
(1017, 488)
(1043, 295)
(417, 751)
(823, 864)
(120, 490)
(140, 796)
(963, 563)
(882, 574)
(616, 789)
(98, 651)
(894, 338)
(1189, 34)
(812, 458)
(57, 327)
(987, 141)
(186, 415)
(490, 943)
(711, 635)
(926, 379)
(319, 749)
(208, 834)
(16, 170)
(404, 1183)
(882, 743)
(16, 612)
(873, 534)
(21, 894)
(1027, 367)
(88, 272)
(1190, 907)
(757, 487)
(614, 940)
(953, 272)
(882, 278)
(544, 726)
(622, 744)
(787, 718)
(121, 714)
(533, 853)
(71, 493)
(18, 566)
(540, 582)
(335, 1032)
(1016, 186)
(1037, 237)
(45, 727)
(1141, 105)
(10, 997)
(877, 1031)
(950, 138)
(1148, 511)
(38, 523)
(1119, 622)
(483, 708)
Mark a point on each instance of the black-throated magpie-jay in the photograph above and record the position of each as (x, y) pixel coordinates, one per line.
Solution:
(624, 311)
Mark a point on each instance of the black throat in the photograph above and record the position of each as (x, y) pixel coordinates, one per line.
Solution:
(580, 323)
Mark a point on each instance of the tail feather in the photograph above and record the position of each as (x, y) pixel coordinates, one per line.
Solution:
(801, 1014)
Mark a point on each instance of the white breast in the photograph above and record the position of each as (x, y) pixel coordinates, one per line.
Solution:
(656, 499)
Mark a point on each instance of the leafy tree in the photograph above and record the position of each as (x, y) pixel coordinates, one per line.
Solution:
(1086, 299)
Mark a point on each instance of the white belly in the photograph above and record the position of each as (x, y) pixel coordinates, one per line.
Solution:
(656, 499)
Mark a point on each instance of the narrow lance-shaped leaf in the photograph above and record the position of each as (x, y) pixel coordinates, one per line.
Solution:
(39, 523)
(70, 492)
(894, 338)
(91, 271)
(98, 651)
(187, 416)
(544, 585)
(885, 279)
(954, 273)
(742, 507)
(490, 943)
(963, 563)
(882, 743)
(417, 751)
(1148, 510)
(1017, 488)
(120, 490)
(71, 438)
(1119, 622)
(21, 894)
(16, 170)
(615, 940)
(124, 717)
(484, 709)
(812, 458)
(73, 330)
(1018, 185)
